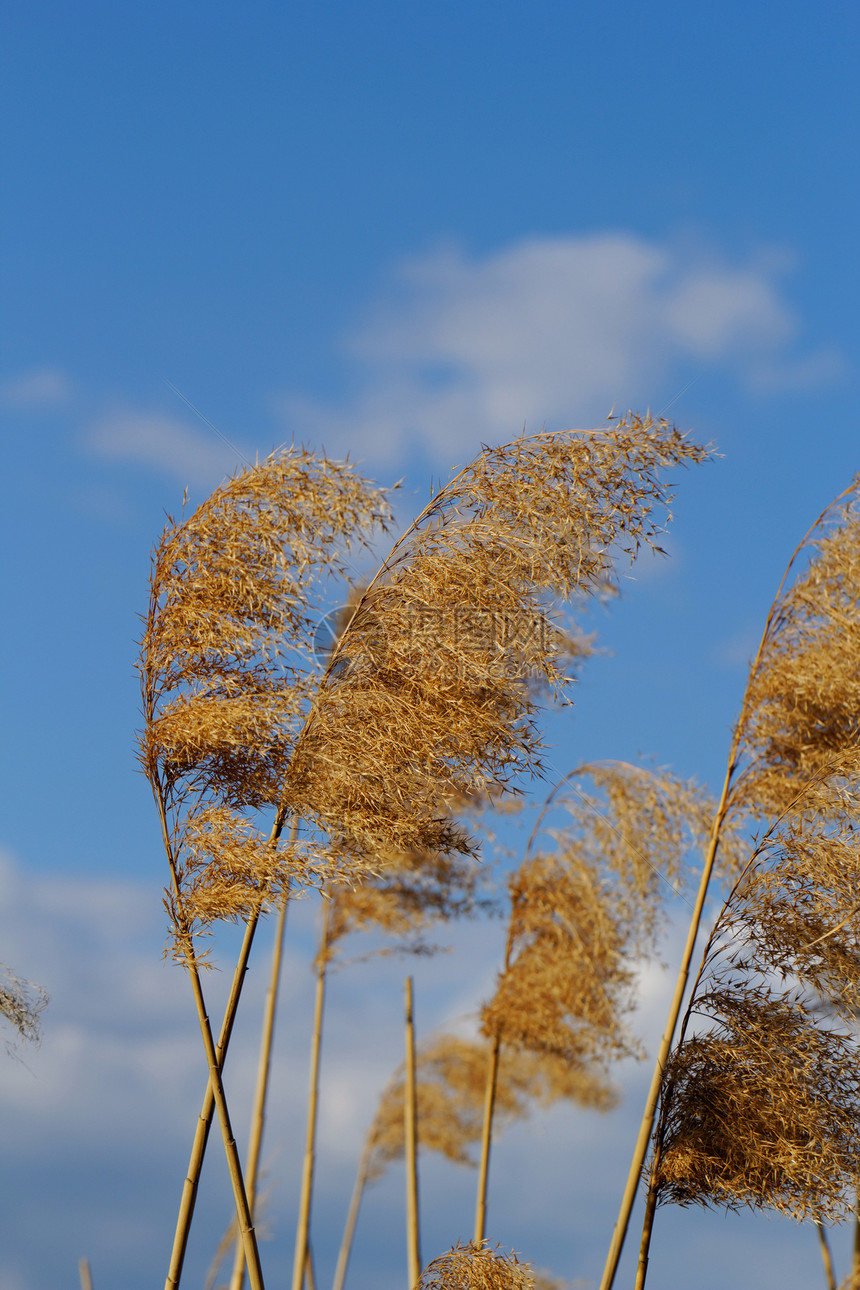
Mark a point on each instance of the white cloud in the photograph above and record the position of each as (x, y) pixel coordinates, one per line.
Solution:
(164, 443)
(37, 389)
(550, 330)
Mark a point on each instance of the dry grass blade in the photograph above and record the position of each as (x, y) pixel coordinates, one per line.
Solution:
(476, 1267)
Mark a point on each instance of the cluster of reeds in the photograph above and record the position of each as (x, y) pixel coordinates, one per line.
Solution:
(426, 709)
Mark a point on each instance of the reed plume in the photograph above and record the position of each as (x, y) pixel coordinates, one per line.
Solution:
(21, 1006)
(476, 1267)
(429, 697)
(225, 682)
(582, 915)
(450, 1090)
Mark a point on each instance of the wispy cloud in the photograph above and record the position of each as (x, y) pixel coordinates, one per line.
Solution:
(163, 443)
(36, 390)
(551, 330)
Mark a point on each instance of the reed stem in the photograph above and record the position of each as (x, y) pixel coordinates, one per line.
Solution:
(486, 1137)
(826, 1257)
(243, 1214)
(303, 1226)
(351, 1219)
(85, 1274)
(410, 1124)
(204, 1121)
(648, 1116)
(252, 1163)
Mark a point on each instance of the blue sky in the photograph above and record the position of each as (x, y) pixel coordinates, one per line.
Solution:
(396, 230)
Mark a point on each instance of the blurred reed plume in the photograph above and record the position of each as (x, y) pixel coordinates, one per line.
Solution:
(761, 1106)
(21, 1006)
(582, 915)
(476, 1267)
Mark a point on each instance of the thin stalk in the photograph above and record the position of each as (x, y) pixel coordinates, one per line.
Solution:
(647, 1125)
(310, 1278)
(303, 1225)
(85, 1274)
(410, 1124)
(855, 1264)
(493, 1080)
(243, 1213)
(648, 1225)
(352, 1218)
(486, 1136)
(826, 1257)
(259, 1114)
(204, 1121)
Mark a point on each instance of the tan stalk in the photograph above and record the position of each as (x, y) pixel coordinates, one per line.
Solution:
(243, 1213)
(826, 1257)
(410, 1125)
(855, 1263)
(648, 1115)
(204, 1121)
(85, 1275)
(259, 1114)
(486, 1135)
(303, 1226)
(351, 1218)
(310, 1278)
(490, 1100)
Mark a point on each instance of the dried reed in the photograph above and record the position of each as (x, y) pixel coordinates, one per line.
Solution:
(581, 916)
(429, 694)
(450, 1085)
(21, 1005)
(790, 731)
(772, 1063)
(224, 683)
(476, 1267)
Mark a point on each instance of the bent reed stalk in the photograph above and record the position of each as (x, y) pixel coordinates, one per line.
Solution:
(741, 735)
